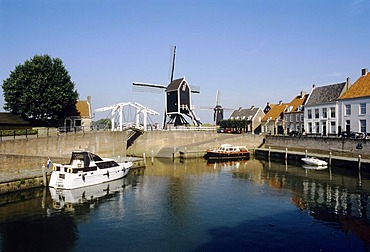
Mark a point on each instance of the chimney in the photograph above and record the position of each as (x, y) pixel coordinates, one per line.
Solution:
(364, 71)
(280, 102)
(302, 94)
(240, 108)
(313, 86)
(89, 100)
(252, 107)
(348, 83)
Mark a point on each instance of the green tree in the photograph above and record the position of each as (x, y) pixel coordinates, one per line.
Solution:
(40, 90)
(102, 124)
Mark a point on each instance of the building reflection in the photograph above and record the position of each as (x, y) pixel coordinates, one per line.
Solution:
(335, 196)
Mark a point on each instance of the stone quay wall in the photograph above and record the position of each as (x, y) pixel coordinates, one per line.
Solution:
(104, 143)
(152, 143)
(338, 146)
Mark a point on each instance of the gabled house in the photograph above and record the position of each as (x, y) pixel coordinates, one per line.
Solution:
(321, 112)
(354, 105)
(273, 121)
(81, 120)
(293, 115)
(253, 116)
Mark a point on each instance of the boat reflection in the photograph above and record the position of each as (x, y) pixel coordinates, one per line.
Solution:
(69, 199)
(314, 167)
(228, 165)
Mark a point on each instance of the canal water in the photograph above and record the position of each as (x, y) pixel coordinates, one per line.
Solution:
(190, 205)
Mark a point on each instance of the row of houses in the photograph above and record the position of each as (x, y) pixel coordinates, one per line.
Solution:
(326, 110)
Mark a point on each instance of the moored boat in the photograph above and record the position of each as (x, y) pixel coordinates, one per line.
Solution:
(314, 161)
(85, 169)
(227, 152)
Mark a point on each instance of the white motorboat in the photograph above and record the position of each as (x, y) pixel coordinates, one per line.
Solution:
(314, 161)
(86, 169)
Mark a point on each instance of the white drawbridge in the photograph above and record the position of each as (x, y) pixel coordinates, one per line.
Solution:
(120, 121)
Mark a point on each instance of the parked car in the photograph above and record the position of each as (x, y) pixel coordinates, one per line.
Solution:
(294, 133)
(352, 134)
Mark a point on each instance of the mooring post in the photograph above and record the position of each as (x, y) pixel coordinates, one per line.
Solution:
(152, 157)
(144, 158)
(329, 158)
(269, 151)
(286, 153)
(359, 162)
(305, 153)
(44, 175)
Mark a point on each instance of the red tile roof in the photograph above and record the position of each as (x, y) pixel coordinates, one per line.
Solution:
(276, 111)
(361, 88)
(83, 108)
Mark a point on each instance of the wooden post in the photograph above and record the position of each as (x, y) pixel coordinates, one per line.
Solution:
(152, 157)
(269, 151)
(44, 175)
(329, 158)
(286, 153)
(144, 158)
(305, 153)
(359, 162)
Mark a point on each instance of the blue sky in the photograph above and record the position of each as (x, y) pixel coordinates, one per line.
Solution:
(253, 51)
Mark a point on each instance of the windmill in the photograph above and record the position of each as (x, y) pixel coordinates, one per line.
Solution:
(178, 102)
(218, 110)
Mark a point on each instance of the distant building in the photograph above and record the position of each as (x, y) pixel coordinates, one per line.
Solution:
(293, 115)
(354, 105)
(81, 120)
(9, 121)
(321, 112)
(253, 116)
(273, 121)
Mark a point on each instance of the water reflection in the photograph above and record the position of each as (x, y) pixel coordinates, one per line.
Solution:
(335, 195)
(196, 206)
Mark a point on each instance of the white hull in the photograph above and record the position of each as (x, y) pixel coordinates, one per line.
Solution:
(87, 169)
(314, 161)
(82, 179)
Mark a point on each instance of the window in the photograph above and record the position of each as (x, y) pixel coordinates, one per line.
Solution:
(297, 118)
(287, 118)
(317, 127)
(332, 112)
(309, 114)
(324, 113)
(363, 126)
(309, 127)
(362, 108)
(301, 117)
(317, 114)
(348, 109)
(291, 117)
